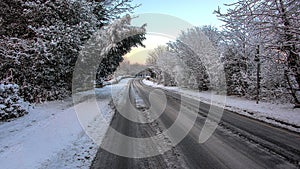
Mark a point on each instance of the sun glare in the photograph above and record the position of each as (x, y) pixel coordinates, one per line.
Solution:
(140, 54)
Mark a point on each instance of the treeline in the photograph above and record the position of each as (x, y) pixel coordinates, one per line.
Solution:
(257, 50)
(41, 40)
(129, 69)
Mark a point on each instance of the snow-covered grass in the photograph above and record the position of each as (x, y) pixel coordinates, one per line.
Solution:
(282, 115)
(50, 136)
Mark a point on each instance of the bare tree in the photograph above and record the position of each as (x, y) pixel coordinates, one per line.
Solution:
(274, 24)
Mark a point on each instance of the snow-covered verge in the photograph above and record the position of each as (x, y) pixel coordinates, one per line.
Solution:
(116, 80)
(50, 136)
(281, 115)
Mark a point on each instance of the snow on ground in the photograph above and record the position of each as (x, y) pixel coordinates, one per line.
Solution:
(50, 136)
(115, 80)
(281, 115)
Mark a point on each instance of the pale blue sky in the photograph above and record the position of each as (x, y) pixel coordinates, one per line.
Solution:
(196, 12)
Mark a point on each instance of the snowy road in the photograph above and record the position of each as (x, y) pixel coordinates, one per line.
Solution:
(238, 142)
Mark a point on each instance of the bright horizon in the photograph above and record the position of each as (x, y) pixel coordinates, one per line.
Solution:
(139, 55)
(185, 10)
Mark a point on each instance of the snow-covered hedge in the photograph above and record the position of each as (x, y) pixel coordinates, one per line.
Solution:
(11, 105)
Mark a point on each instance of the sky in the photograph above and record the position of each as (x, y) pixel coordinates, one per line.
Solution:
(195, 12)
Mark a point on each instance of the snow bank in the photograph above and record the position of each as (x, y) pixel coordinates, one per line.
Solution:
(281, 115)
(50, 136)
(116, 80)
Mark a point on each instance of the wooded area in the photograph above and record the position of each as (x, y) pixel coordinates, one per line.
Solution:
(258, 46)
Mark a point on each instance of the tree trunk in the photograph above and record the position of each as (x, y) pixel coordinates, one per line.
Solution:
(292, 52)
(293, 92)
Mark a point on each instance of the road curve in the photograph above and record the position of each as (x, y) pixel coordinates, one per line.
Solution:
(238, 142)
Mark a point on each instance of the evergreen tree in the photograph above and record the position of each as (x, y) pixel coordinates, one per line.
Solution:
(41, 40)
(110, 64)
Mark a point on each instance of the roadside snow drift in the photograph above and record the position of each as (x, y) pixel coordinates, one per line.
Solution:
(50, 136)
